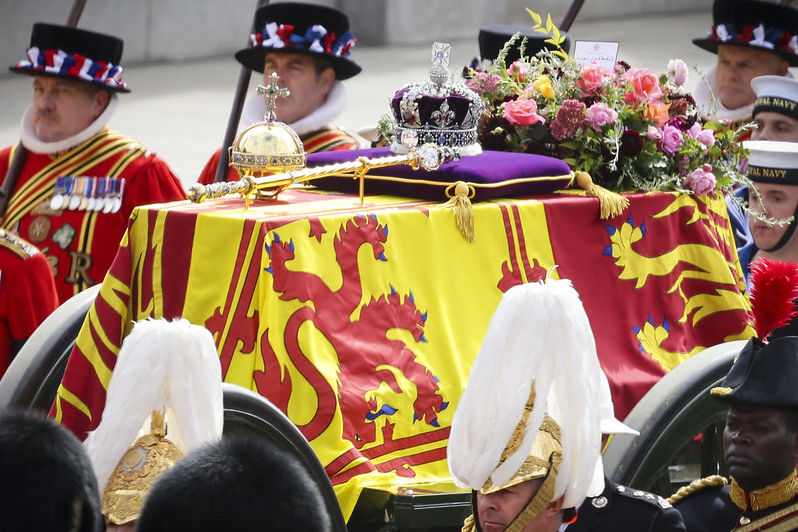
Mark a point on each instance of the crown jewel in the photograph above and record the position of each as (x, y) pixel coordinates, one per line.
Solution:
(437, 111)
(269, 146)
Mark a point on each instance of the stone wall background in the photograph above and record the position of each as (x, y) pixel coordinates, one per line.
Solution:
(178, 30)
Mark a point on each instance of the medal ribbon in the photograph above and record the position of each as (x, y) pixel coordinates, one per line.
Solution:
(99, 148)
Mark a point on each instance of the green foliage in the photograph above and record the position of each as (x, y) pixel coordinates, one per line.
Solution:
(656, 141)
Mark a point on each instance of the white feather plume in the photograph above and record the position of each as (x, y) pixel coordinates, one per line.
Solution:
(539, 333)
(161, 365)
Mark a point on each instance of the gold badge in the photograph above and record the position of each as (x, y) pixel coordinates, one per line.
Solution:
(39, 229)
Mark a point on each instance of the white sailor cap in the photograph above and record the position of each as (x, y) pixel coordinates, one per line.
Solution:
(772, 162)
(607, 421)
(778, 94)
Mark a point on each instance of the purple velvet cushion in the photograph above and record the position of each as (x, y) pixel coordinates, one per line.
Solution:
(487, 168)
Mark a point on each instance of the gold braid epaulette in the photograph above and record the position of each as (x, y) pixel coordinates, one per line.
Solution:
(16, 244)
(697, 485)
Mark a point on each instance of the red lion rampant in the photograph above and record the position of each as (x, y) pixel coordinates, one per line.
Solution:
(367, 357)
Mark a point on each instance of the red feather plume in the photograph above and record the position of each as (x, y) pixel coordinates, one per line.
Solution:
(774, 286)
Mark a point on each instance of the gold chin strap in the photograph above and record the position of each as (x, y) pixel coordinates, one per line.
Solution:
(469, 525)
(540, 500)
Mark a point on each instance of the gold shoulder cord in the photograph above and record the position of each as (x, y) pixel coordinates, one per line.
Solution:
(697, 485)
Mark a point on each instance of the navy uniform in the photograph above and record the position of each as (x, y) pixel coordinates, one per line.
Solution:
(709, 507)
(624, 508)
(763, 376)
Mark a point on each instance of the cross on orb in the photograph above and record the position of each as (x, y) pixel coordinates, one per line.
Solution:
(272, 92)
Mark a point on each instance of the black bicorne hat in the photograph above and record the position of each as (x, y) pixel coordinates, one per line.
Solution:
(765, 26)
(301, 28)
(493, 38)
(763, 374)
(72, 53)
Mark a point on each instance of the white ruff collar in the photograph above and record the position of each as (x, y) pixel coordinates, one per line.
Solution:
(704, 101)
(333, 106)
(32, 142)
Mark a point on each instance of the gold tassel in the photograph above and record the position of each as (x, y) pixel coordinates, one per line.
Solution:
(463, 211)
(610, 203)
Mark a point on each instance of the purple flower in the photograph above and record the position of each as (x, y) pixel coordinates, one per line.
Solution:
(483, 82)
(600, 114)
(570, 117)
(701, 180)
(678, 122)
(671, 140)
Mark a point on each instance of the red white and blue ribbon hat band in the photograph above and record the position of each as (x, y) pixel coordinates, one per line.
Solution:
(311, 29)
(76, 54)
(766, 26)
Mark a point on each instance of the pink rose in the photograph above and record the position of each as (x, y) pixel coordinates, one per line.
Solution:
(600, 114)
(522, 112)
(701, 180)
(677, 72)
(654, 133)
(592, 78)
(706, 137)
(671, 140)
(693, 131)
(643, 84)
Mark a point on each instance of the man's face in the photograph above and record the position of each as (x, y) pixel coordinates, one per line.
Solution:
(775, 126)
(760, 447)
(737, 66)
(297, 73)
(63, 108)
(497, 510)
(779, 202)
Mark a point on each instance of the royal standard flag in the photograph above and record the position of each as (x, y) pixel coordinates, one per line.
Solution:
(361, 322)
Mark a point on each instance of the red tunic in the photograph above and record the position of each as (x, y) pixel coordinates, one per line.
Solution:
(75, 206)
(27, 294)
(322, 140)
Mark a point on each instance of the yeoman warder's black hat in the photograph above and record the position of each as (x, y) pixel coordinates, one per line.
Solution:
(301, 28)
(72, 53)
(765, 26)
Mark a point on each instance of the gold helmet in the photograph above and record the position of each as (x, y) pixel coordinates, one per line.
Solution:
(149, 457)
(166, 374)
(535, 384)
